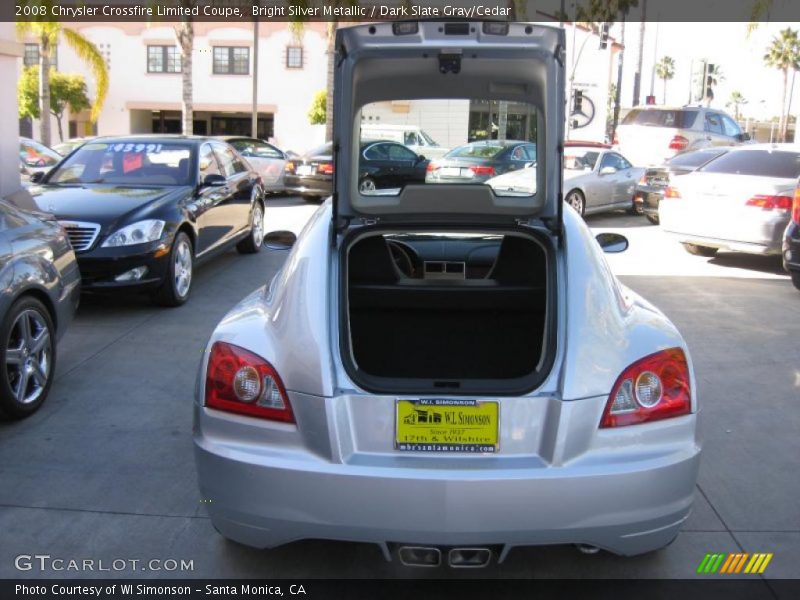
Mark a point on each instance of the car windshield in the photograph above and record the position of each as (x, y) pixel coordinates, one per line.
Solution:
(695, 159)
(126, 163)
(478, 141)
(256, 149)
(763, 163)
(661, 117)
(579, 159)
(36, 155)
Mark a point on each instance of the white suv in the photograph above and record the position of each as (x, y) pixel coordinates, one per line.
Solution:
(651, 135)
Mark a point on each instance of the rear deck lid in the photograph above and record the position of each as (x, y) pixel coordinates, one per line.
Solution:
(463, 83)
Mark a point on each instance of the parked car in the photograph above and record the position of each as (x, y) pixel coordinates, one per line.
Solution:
(35, 158)
(141, 211)
(448, 371)
(741, 201)
(651, 135)
(39, 292)
(64, 148)
(412, 136)
(383, 166)
(791, 241)
(480, 161)
(651, 185)
(268, 160)
(598, 179)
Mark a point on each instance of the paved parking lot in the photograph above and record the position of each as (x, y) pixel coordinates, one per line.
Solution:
(105, 469)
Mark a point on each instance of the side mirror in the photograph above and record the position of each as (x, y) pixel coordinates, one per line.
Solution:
(607, 171)
(213, 180)
(37, 177)
(280, 240)
(611, 243)
(420, 158)
(743, 137)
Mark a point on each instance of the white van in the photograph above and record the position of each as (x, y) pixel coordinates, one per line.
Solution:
(410, 136)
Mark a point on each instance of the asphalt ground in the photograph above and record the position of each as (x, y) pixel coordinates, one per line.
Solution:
(105, 470)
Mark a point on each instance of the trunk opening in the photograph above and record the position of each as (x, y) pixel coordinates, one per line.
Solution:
(448, 313)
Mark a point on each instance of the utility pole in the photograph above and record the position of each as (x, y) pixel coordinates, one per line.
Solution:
(655, 60)
(254, 121)
(637, 77)
(618, 98)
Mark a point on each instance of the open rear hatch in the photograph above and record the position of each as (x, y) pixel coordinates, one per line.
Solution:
(447, 277)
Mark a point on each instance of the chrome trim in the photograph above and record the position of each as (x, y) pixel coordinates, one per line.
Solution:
(82, 235)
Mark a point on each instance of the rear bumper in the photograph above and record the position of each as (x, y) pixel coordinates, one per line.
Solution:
(307, 186)
(791, 247)
(267, 496)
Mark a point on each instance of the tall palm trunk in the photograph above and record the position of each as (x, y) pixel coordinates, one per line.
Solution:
(665, 90)
(784, 117)
(185, 35)
(331, 52)
(637, 78)
(45, 49)
(620, 66)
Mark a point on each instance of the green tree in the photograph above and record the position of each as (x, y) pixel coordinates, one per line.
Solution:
(49, 35)
(67, 90)
(665, 70)
(783, 54)
(737, 99)
(316, 114)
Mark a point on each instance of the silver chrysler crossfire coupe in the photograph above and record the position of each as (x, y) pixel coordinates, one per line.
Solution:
(444, 370)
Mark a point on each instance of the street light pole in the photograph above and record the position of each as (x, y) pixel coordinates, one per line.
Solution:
(254, 118)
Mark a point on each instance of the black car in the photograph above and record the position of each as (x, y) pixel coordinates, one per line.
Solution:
(39, 292)
(477, 162)
(791, 241)
(382, 165)
(140, 211)
(650, 188)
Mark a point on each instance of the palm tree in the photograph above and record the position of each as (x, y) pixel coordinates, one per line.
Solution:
(184, 34)
(783, 53)
(737, 99)
(49, 34)
(665, 70)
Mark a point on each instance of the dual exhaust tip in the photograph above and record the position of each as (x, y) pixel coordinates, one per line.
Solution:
(458, 558)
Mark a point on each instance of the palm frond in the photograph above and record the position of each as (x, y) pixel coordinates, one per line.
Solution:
(89, 53)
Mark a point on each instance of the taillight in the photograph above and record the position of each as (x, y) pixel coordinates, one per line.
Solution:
(770, 202)
(678, 142)
(671, 192)
(479, 170)
(289, 168)
(653, 388)
(325, 168)
(796, 206)
(241, 382)
(431, 167)
(643, 180)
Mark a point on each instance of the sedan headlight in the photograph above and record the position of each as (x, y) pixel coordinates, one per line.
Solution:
(137, 233)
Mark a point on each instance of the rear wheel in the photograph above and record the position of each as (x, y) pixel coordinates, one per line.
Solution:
(653, 219)
(27, 358)
(253, 242)
(700, 250)
(177, 283)
(576, 200)
(795, 278)
(367, 186)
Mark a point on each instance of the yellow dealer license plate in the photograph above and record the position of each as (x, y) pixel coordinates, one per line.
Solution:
(443, 425)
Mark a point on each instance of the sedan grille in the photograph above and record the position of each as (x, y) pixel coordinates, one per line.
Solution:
(81, 235)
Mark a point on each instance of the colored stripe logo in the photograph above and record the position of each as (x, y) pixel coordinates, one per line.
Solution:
(736, 562)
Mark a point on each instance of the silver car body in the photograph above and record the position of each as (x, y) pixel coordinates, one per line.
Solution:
(713, 212)
(268, 160)
(557, 477)
(607, 185)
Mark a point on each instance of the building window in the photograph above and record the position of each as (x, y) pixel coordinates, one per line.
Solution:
(31, 56)
(163, 59)
(105, 52)
(294, 57)
(231, 60)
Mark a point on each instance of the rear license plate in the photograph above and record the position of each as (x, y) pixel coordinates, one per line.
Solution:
(305, 170)
(442, 425)
(451, 172)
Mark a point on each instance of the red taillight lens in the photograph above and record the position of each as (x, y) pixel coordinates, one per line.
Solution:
(431, 167)
(653, 388)
(678, 143)
(643, 180)
(289, 168)
(796, 206)
(325, 168)
(671, 192)
(241, 382)
(479, 170)
(771, 202)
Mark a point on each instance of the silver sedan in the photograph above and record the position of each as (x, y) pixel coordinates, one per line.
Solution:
(598, 179)
(268, 160)
(449, 371)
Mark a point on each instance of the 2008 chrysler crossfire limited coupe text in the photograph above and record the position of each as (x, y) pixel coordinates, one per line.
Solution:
(442, 370)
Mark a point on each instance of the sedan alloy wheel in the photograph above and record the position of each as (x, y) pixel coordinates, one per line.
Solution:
(575, 200)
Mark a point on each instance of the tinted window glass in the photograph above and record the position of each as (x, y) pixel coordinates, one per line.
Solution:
(713, 123)
(398, 152)
(256, 149)
(695, 159)
(578, 159)
(376, 152)
(680, 119)
(227, 160)
(34, 154)
(784, 165)
(478, 150)
(730, 127)
(208, 162)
